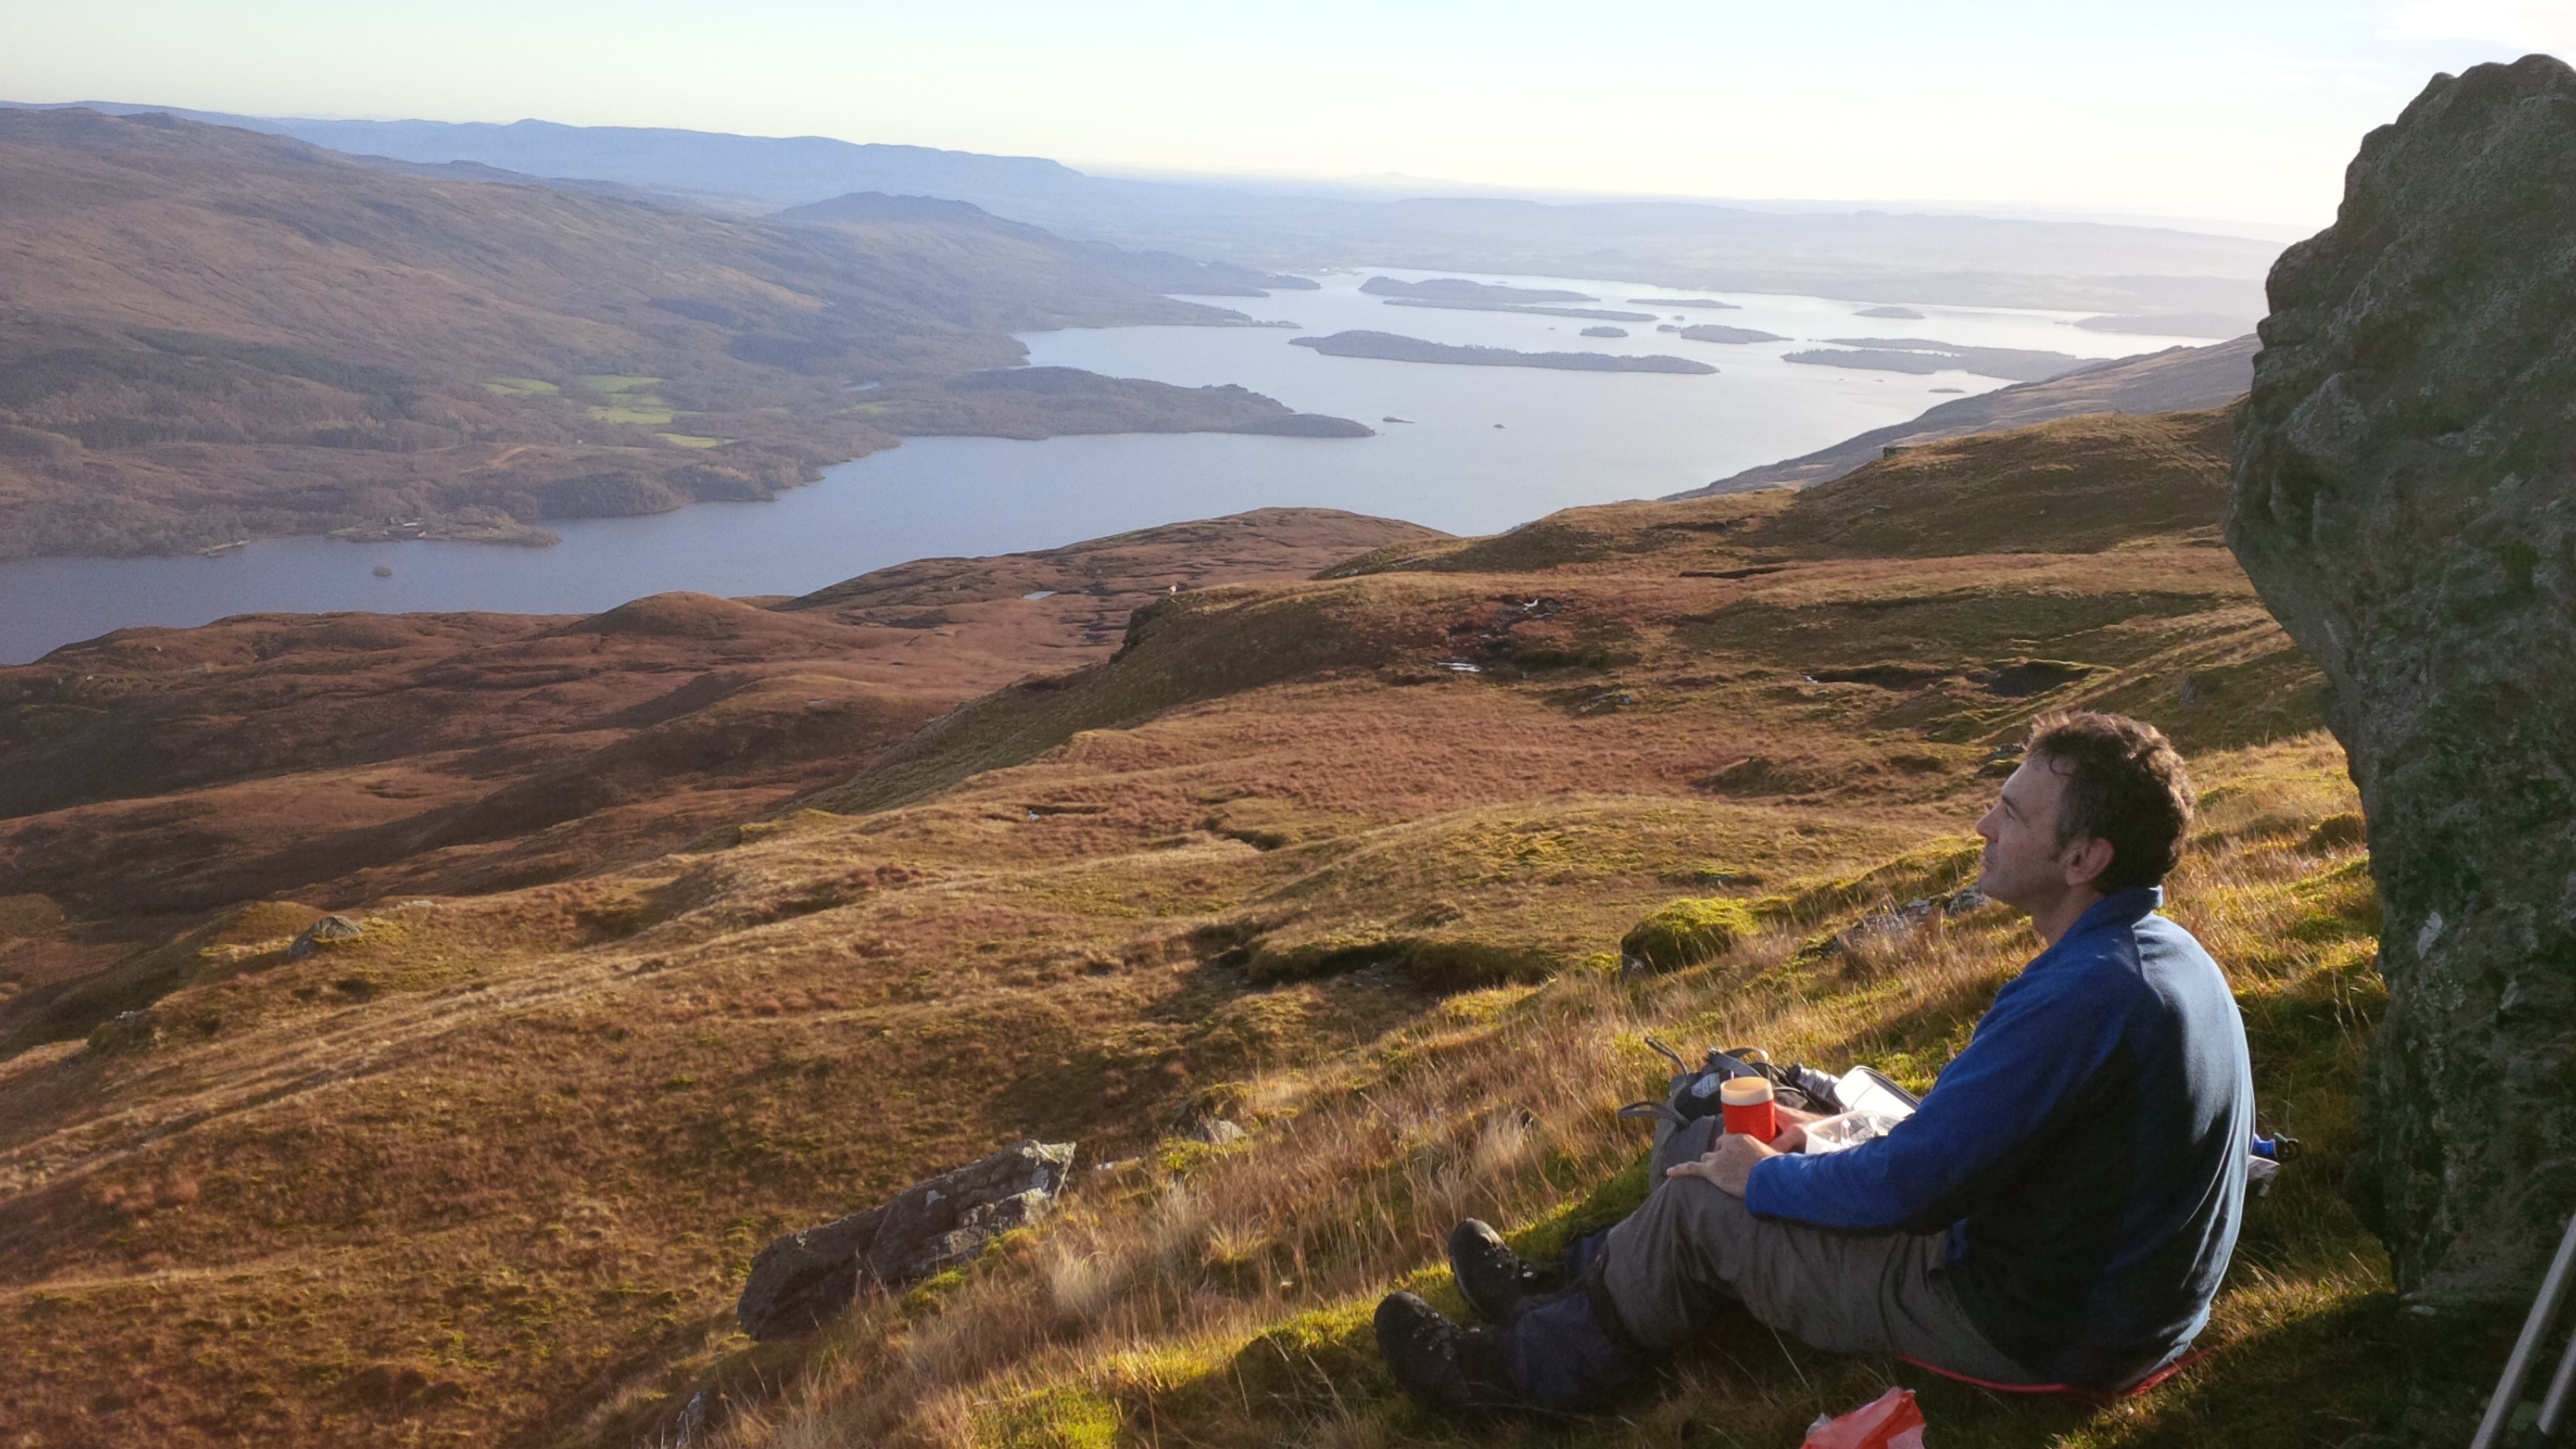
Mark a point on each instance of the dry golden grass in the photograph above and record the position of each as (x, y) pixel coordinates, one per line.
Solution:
(1222, 1296)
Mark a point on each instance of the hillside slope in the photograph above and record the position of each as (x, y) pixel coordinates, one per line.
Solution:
(157, 774)
(1342, 859)
(214, 334)
(2179, 379)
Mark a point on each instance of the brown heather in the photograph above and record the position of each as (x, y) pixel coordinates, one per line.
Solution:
(494, 1171)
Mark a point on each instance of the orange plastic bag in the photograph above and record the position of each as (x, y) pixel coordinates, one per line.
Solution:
(1890, 1421)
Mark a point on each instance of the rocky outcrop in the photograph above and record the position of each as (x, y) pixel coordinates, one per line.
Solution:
(802, 1279)
(324, 932)
(2405, 499)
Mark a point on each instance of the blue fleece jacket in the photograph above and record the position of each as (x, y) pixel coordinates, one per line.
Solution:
(2086, 1152)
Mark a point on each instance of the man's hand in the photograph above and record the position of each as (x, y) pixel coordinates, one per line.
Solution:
(1793, 1128)
(1730, 1165)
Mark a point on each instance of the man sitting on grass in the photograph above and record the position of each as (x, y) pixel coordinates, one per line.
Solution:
(2058, 1211)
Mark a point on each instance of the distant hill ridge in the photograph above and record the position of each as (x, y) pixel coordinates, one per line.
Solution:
(782, 170)
(2146, 273)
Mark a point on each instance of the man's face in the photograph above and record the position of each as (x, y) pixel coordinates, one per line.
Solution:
(2024, 865)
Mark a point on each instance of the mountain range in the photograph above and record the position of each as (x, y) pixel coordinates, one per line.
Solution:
(1859, 255)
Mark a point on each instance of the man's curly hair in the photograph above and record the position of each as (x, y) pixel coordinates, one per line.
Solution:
(2124, 784)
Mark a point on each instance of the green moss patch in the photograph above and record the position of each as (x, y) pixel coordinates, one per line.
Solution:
(1688, 931)
(1435, 963)
(1061, 1416)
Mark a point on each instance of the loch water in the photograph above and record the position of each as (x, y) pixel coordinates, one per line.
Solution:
(1480, 449)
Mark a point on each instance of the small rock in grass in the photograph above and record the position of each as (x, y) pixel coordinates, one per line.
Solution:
(804, 1278)
(127, 1031)
(322, 933)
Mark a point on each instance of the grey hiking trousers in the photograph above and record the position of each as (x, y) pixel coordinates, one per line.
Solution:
(1685, 1260)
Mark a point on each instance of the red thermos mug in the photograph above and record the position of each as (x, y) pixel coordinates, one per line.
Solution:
(1747, 1104)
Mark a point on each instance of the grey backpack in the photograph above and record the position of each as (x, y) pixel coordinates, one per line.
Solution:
(1692, 1091)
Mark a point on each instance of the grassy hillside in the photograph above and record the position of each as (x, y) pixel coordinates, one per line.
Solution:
(1344, 860)
(156, 774)
(214, 335)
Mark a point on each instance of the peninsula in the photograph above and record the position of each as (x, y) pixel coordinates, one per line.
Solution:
(1459, 289)
(1388, 347)
(1047, 402)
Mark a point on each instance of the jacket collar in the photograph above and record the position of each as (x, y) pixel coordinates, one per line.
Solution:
(2118, 909)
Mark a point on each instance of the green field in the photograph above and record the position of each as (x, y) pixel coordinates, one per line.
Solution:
(631, 401)
(612, 383)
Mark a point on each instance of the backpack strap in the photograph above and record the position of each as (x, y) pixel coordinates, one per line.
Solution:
(1654, 1111)
(1670, 1055)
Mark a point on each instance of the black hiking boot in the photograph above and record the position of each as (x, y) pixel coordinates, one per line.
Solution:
(1444, 1366)
(1497, 1282)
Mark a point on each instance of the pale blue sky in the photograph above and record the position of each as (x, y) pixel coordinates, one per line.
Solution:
(2214, 108)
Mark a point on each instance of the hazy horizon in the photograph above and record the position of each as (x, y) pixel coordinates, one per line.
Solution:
(1394, 185)
(2194, 111)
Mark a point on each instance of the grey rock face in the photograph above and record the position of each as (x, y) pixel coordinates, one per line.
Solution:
(804, 1278)
(2405, 500)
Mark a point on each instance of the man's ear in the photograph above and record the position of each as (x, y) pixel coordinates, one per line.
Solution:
(2085, 863)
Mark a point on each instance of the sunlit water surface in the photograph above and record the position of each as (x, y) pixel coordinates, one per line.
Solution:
(1564, 438)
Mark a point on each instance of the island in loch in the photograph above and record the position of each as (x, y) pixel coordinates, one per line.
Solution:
(1712, 332)
(1388, 347)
